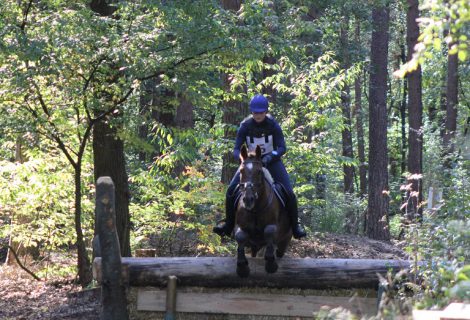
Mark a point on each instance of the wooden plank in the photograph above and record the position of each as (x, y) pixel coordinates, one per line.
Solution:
(454, 311)
(218, 272)
(252, 303)
(426, 315)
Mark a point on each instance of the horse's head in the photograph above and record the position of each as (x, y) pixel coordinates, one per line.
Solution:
(251, 176)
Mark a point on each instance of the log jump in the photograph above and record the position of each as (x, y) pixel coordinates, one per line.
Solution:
(220, 272)
(115, 274)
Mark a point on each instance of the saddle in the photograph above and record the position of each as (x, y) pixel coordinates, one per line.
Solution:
(279, 190)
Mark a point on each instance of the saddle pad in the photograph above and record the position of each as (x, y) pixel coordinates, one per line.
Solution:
(280, 192)
(268, 176)
(278, 188)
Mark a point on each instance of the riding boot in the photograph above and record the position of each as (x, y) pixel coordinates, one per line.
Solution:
(297, 230)
(226, 228)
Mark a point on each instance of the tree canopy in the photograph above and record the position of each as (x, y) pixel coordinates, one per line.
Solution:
(139, 67)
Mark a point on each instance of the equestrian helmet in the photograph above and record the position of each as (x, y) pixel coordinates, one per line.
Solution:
(259, 103)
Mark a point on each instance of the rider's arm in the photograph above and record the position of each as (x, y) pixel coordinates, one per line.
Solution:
(241, 137)
(279, 142)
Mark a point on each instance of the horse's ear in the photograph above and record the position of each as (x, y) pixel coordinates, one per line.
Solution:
(243, 153)
(258, 151)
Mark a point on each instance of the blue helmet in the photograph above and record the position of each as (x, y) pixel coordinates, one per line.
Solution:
(259, 103)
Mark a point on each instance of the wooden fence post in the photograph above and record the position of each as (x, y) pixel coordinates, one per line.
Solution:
(113, 295)
(171, 298)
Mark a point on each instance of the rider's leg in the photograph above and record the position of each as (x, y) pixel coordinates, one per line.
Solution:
(297, 229)
(225, 229)
(279, 173)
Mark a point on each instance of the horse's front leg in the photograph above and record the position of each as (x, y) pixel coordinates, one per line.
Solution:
(269, 234)
(243, 270)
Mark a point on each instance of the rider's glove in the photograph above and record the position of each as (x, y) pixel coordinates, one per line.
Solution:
(267, 159)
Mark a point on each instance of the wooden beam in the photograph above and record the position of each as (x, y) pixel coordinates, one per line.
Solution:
(217, 272)
(243, 303)
(113, 294)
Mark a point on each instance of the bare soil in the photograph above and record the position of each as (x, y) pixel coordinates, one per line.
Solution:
(22, 297)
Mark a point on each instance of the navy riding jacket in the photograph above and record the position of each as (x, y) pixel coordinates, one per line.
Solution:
(269, 134)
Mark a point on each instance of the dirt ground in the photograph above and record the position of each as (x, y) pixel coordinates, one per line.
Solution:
(22, 297)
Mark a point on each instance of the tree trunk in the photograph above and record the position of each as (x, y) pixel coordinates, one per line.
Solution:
(233, 113)
(348, 170)
(441, 122)
(377, 216)
(109, 160)
(347, 152)
(184, 118)
(320, 178)
(452, 101)
(415, 117)
(83, 261)
(403, 115)
(360, 127)
(231, 4)
(147, 89)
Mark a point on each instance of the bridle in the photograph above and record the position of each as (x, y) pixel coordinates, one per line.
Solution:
(249, 185)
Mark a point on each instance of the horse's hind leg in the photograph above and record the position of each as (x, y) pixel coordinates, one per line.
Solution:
(243, 270)
(269, 233)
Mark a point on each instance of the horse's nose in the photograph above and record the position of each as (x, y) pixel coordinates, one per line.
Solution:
(249, 202)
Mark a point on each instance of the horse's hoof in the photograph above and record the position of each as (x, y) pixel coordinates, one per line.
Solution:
(279, 254)
(243, 270)
(271, 266)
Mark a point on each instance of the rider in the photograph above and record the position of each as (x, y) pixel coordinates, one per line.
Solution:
(261, 129)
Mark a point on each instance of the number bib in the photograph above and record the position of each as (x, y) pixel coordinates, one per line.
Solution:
(265, 143)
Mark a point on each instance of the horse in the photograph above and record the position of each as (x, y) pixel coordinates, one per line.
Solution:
(261, 219)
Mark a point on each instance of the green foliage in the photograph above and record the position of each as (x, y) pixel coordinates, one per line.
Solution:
(443, 22)
(167, 212)
(37, 203)
(66, 65)
(442, 243)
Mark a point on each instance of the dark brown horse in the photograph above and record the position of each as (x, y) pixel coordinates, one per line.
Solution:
(261, 219)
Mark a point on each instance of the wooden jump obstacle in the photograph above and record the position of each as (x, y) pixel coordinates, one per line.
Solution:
(149, 276)
(219, 272)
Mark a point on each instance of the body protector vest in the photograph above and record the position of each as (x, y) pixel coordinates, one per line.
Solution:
(262, 135)
(265, 143)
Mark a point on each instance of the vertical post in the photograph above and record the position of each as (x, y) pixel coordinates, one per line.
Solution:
(171, 298)
(430, 198)
(113, 296)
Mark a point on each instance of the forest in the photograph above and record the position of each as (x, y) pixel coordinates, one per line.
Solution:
(372, 96)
